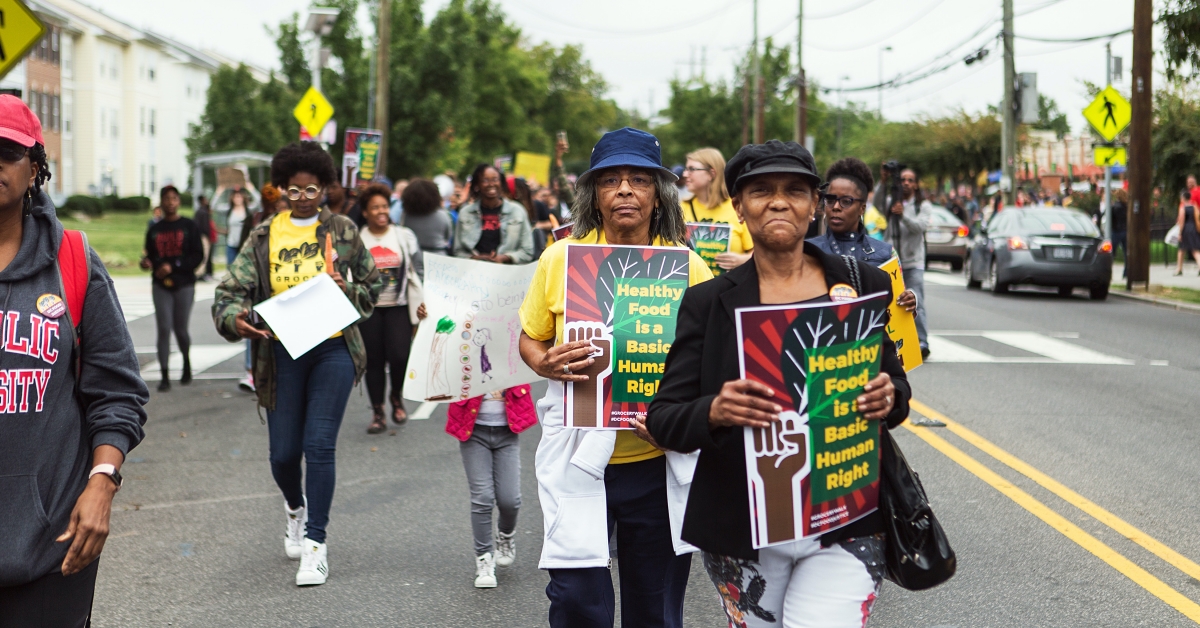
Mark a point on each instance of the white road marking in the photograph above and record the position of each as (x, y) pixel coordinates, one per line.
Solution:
(1050, 349)
(424, 411)
(942, 279)
(203, 357)
(1159, 363)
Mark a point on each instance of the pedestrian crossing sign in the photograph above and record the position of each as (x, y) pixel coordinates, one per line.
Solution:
(1109, 113)
(313, 111)
(20, 29)
(1109, 155)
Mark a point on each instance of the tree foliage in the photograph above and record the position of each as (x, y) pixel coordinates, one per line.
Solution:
(1175, 139)
(1180, 20)
(244, 114)
(1050, 118)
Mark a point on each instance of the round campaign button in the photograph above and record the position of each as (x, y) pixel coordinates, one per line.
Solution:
(842, 292)
(51, 305)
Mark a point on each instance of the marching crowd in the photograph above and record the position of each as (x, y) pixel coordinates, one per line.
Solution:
(673, 486)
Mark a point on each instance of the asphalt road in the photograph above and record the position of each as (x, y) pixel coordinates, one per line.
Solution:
(1099, 397)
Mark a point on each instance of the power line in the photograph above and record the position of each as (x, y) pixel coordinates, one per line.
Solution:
(825, 16)
(1073, 40)
(895, 31)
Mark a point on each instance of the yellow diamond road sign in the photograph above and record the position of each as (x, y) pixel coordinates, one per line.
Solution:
(1109, 113)
(312, 112)
(20, 29)
(1109, 155)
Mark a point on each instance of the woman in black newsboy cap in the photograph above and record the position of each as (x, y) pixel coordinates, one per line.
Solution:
(831, 581)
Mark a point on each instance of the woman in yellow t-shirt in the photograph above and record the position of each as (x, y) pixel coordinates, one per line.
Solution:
(710, 202)
(584, 477)
(305, 396)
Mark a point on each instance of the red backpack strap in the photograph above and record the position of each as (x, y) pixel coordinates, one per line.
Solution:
(73, 265)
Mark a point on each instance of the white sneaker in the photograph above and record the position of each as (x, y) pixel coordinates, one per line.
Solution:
(293, 538)
(506, 549)
(485, 572)
(314, 564)
(247, 383)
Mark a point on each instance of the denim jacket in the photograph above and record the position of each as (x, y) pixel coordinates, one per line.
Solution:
(857, 244)
(516, 234)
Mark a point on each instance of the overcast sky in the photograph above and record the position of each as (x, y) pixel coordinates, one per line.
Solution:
(640, 46)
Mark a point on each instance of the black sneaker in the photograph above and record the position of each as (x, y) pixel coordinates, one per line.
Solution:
(164, 385)
(186, 378)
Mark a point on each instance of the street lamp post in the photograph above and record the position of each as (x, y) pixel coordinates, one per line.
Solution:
(880, 90)
(320, 22)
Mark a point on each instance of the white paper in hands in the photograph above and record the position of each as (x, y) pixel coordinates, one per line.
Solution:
(308, 314)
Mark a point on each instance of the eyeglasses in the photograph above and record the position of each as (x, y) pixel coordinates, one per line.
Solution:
(691, 169)
(12, 152)
(294, 193)
(636, 181)
(833, 200)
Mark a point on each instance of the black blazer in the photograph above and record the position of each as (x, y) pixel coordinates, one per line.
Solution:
(703, 357)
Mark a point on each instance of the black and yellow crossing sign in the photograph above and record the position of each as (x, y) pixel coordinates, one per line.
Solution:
(1109, 155)
(313, 111)
(1109, 113)
(20, 29)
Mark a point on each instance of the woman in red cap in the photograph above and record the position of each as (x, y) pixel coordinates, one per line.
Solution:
(70, 387)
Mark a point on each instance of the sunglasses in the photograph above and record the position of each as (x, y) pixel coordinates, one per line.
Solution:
(12, 152)
(833, 200)
(294, 193)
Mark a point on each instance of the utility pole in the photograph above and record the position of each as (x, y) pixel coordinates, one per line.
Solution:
(1106, 202)
(383, 53)
(1008, 141)
(1137, 259)
(801, 84)
(758, 88)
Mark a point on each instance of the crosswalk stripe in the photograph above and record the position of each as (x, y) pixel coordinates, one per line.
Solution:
(424, 411)
(1049, 350)
(203, 357)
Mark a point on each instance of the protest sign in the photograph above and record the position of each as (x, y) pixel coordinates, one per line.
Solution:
(534, 167)
(360, 160)
(563, 232)
(902, 328)
(624, 299)
(710, 239)
(468, 344)
(306, 315)
(818, 468)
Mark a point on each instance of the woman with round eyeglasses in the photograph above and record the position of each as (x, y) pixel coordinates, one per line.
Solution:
(845, 200)
(305, 396)
(710, 202)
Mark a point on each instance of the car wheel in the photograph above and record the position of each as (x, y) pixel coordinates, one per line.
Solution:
(1098, 293)
(972, 283)
(994, 280)
(1065, 291)
(956, 265)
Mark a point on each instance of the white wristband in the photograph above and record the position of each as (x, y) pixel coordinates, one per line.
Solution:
(106, 469)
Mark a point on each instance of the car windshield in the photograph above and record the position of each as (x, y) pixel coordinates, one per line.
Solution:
(1057, 221)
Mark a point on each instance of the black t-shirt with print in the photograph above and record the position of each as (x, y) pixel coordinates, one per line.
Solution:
(489, 235)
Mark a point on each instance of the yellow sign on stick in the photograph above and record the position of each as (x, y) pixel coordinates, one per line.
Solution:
(312, 112)
(534, 167)
(20, 29)
(1109, 113)
(902, 328)
(1109, 155)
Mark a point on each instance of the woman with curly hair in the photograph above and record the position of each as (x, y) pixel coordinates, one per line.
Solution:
(76, 412)
(305, 396)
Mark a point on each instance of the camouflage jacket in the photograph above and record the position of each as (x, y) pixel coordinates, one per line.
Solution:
(248, 283)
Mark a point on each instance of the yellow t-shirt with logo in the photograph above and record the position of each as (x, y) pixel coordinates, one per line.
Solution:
(544, 309)
(295, 254)
(739, 239)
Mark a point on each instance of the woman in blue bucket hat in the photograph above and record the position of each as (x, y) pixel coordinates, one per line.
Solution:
(588, 477)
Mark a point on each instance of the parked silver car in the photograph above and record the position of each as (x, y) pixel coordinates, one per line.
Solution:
(947, 239)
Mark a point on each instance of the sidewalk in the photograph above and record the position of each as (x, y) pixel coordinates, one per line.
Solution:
(1160, 276)
(137, 302)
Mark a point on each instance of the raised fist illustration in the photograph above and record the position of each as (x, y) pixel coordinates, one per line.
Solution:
(585, 400)
(781, 452)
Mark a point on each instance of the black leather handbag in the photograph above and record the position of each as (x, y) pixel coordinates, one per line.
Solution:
(918, 553)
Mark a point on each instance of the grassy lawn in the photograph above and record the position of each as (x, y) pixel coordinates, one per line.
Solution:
(1187, 295)
(118, 237)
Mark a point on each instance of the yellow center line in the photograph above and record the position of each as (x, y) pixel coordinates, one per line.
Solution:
(1120, 526)
(1143, 578)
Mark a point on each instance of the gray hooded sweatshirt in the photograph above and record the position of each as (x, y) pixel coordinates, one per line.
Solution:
(51, 420)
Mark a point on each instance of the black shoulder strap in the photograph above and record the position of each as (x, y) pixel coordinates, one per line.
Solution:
(855, 275)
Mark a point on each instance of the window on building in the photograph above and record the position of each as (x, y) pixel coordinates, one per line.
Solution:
(56, 113)
(152, 121)
(150, 73)
(112, 116)
(142, 121)
(103, 123)
(153, 181)
(55, 49)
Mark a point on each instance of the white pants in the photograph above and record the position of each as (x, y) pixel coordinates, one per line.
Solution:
(801, 584)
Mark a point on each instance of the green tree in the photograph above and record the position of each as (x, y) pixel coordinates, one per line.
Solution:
(244, 114)
(1050, 118)
(1180, 20)
(1175, 139)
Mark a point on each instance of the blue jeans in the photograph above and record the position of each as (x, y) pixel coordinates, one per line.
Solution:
(653, 578)
(310, 400)
(914, 279)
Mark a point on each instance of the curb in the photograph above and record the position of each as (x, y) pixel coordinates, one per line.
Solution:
(1159, 301)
